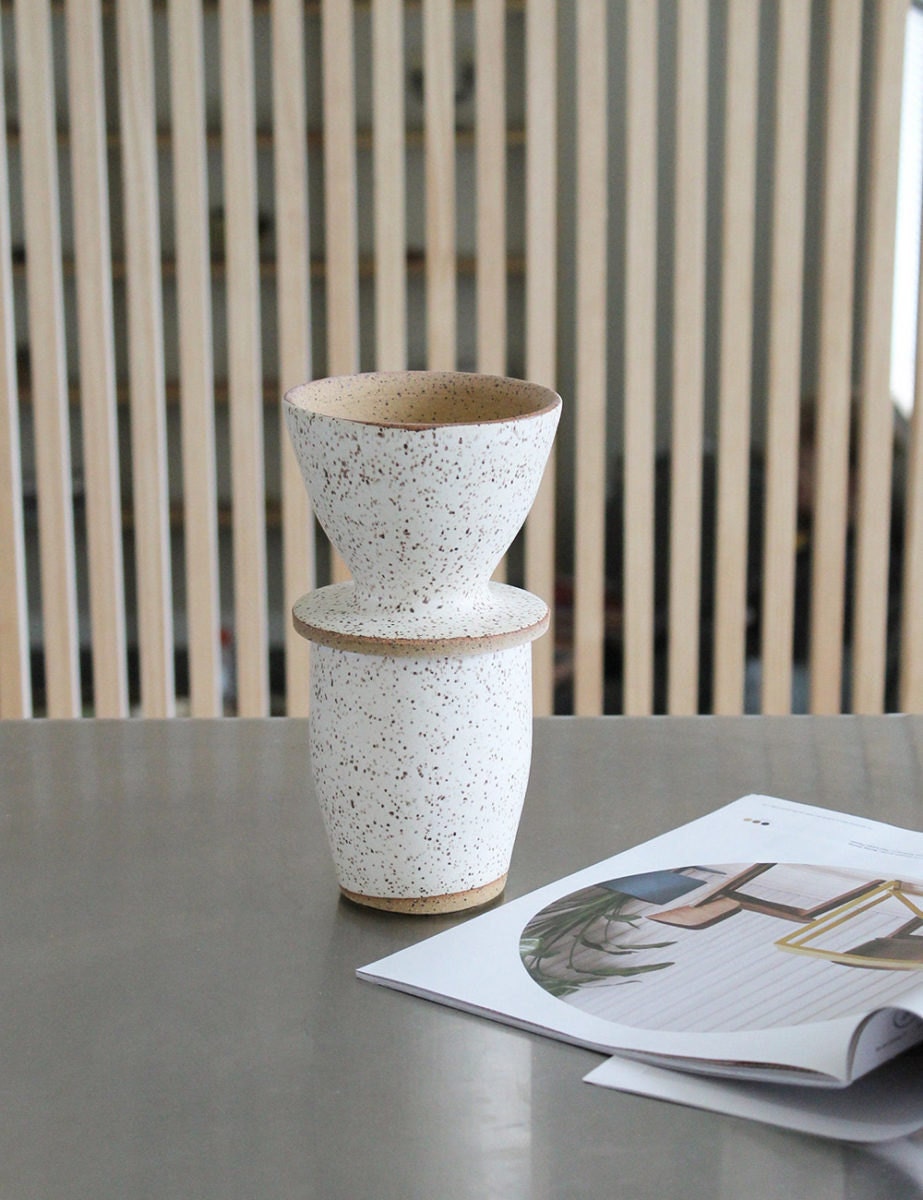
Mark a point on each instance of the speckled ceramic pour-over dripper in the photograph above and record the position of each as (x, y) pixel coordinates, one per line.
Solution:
(421, 717)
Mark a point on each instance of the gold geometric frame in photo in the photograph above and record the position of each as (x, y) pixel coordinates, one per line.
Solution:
(897, 951)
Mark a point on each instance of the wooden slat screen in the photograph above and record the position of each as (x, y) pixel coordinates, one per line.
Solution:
(141, 199)
(784, 371)
(47, 364)
(491, 170)
(196, 358)
(439, 135)
(678, 213)
(294, 308)
(590, 344)
(911, 679)
(540, 306)
(340, 185)
(739, 198)
(690, 221)
(834, 375)
(390, 187)
(640, 353)
(15, 678)
(97, 358)
(340, 188)
(245, 375)
(491, 195)
(876, 429)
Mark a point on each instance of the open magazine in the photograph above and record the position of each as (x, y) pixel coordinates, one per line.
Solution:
(768, 941)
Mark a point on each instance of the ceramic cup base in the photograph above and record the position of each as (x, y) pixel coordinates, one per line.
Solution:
(420, 767)
(431, 905)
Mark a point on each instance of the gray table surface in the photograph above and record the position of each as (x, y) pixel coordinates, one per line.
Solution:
(179, 1012)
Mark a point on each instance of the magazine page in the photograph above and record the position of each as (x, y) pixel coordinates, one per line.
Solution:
(883, 1105)
(756, 940)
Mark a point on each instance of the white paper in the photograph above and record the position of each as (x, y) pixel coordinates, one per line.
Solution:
(882, 1106)
(729, 993)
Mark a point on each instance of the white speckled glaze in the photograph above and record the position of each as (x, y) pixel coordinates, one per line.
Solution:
(421, 480)
(421, 718)
(420, 766)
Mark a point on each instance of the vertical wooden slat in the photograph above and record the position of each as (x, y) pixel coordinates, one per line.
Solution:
(390, 186)
(911, 671)
(834, 381)
(439, 140)
(245, 376)
(146, 365)
(47, 363)
(197, 387)
(294, 308)
(490, 167)
(541, 291)
(690, 192)
(789, 171)
(490, 82)
(876, 429)
(15, 682)
(341, 236)
(89, 167)
(735, 356)
(640, 352)
(590, 337)
(340, 187)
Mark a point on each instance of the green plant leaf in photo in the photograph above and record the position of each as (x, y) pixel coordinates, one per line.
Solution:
(584, 938)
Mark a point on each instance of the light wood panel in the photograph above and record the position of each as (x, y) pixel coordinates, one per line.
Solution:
(490, 182)
(439, 146)
(911, 669)
(245, 372)
(340, 188)
(876, 428)
(834, 381)
(734, 382)
(490, 147)
(197, 384)
(47, 361)
(389, 151)
(15, 680)
(784, 382)
(541, 319)
(293, 286)
(341, 236)
(689, 224)
(89, 167)
(640, 353)
(146, 358)
(590, 311)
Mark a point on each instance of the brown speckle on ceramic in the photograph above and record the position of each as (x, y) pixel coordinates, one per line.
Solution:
(420, 767)
(495, 618)
(421, 710)
(421, 513)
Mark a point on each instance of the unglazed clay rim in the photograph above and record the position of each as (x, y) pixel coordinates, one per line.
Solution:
(431, 905)
(312, 619)
(298, 398)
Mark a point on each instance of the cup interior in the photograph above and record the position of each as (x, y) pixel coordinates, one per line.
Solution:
(419, 399)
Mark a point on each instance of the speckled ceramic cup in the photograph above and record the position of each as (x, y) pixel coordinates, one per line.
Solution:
(421, 672)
